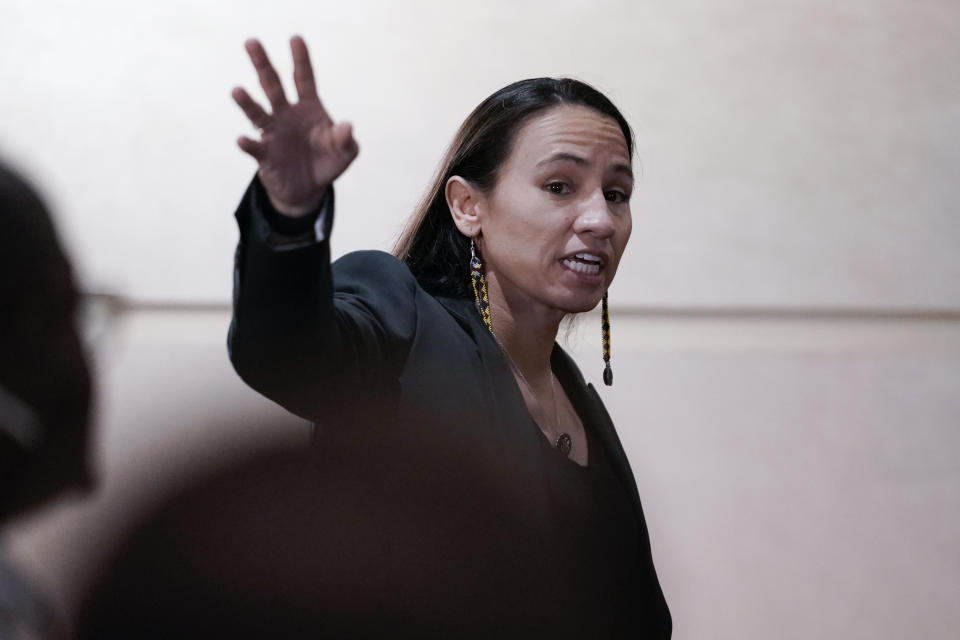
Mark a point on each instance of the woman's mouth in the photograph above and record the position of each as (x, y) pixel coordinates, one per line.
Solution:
(584, 263)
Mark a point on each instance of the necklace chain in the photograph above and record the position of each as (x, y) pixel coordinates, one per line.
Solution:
(563, 441)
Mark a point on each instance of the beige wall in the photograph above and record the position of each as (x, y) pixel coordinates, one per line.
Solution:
(786, 321)
(801, 476)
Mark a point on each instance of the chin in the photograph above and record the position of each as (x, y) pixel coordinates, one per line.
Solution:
(580, 303)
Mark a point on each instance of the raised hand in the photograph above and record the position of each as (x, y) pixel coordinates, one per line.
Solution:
(301, 150)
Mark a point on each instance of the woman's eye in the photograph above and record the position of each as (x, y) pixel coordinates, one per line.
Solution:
(557, 188)
(616, 196)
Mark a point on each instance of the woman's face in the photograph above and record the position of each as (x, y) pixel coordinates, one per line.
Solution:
(554, 227)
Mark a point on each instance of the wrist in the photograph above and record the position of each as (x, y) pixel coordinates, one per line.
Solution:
(286, 224)
(298, 210)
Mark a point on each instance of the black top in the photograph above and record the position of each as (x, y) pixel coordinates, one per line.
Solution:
(597, 536)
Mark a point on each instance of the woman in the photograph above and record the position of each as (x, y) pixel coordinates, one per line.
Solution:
(467, 468)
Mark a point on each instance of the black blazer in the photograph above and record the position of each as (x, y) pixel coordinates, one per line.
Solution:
(421, 421)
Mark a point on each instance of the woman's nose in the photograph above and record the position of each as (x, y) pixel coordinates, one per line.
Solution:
(595, 216)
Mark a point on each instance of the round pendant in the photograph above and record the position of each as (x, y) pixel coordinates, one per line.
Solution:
(564, 444)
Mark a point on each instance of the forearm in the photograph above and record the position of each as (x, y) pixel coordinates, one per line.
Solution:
(307, 334)
(282, 321)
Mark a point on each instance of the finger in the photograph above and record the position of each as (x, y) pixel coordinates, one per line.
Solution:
(344, 141)
(303, 70)
(251, 147)
(254, 112)
(269, 79)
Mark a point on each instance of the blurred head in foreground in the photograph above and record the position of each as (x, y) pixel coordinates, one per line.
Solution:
(44, 378)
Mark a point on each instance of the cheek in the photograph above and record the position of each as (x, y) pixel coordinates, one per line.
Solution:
(621, 237)
(624, 231)
(520, 235)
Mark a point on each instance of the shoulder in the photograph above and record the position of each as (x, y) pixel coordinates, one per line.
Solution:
(370, 259)
(373, 273)
(377, 266)
(382, 284)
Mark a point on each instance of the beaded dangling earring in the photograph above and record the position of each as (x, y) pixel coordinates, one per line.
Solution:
(479, 287)
(605, 329)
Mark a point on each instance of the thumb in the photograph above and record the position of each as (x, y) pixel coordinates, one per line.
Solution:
(343, 139)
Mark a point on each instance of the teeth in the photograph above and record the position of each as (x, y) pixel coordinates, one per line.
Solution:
(579, 267)
(589, 256)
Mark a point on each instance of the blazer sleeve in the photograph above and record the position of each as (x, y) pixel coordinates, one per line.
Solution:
(308, 334)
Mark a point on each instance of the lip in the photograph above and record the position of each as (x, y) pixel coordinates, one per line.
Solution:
(603, 256)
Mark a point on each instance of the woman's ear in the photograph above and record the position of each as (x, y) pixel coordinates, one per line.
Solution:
(466, 205)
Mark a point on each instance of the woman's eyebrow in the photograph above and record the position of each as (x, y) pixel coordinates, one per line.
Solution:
(563, 156)
(625, 169)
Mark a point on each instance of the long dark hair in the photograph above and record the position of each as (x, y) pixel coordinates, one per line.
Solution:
(431, 245)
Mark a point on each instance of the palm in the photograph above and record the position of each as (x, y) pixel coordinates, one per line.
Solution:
(301, 150)
(291, 169)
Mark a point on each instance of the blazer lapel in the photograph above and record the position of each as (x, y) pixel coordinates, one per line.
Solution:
(466, 316)
(590, 408)
(506, 400)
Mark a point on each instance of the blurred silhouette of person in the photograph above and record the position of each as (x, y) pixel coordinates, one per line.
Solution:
(44, 388)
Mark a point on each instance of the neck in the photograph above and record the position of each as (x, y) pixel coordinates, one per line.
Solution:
(527, 330)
